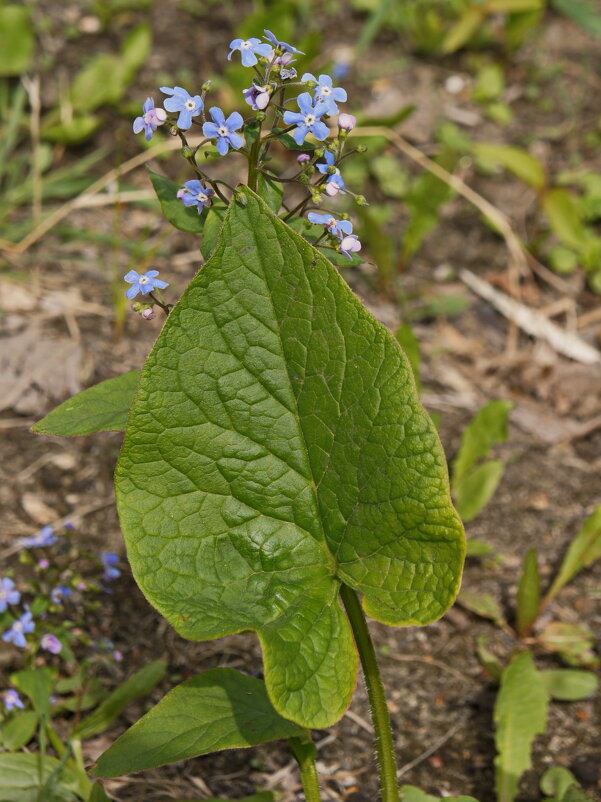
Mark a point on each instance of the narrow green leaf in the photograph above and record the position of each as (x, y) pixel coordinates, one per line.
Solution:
(477, 548)
(140, 684)
(520, 715)
(37, 684)
(271, 191)
(484, 605)
(186, 218)
(562, 208)
(464, 29)
(556, 781)
(20, 778)
(528, 593)
(573, 643)
(276, 448)
(487, 428)
(17, 40)
(220, 709)
(513, 6)
(582, 12)
(487, 658)
(477, 488)
(136, 48)
(18, 731)
(521, 163)
(101, 408)
(410, 793)
(584, 550)
(98, 794)
(570, 684)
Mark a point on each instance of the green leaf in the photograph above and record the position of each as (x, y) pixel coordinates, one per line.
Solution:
(528, 594)
(98, 794)
(271, 191)
(570, 684)
(410, 793)
(521, 163)
(101, 408)
(582, 12)
(37, 684)
(573, 643)
(17, 40)
(556, 781)
(276, 448)
(487, 428)
(487, 658)
(215, 218)
(20, 778)
(464, 29)
(136, 48)
(483, 604)
(584, 550)
(408, 342)
(520, 715)
(102, 80)
(562, 208)
(477, 488)
(139, 684)
(513, 6)
(186, 218)
(477, 548)
(18, 731)
(220, 709)
(74, 131)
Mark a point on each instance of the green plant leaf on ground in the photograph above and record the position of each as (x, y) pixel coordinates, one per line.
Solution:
(477, 488)
(139, 684)
(528, 593)
(563, 211)
(482, 604)
(20, 778)
(573, 643)
(18, 731)
(220, 709)
(521, 163)
(104, 407)
(487, 428)
(186, 218)
(520, 714)
(276, 448)
(583, 551)
(487, 658)
(410, 793)
(556, 781)
(37, 684)
(582, 12)
(570, 684)
(17, 40)
(477, 548)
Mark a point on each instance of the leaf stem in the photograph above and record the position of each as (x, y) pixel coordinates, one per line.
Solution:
(375, 691)
(304, 752)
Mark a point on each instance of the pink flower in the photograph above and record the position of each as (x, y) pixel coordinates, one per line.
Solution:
(346, 122)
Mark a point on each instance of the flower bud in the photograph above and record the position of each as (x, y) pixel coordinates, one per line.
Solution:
(302, 158)
(346, 122)
(311, 84)
(206, 87)
(319, 152)
(316, 197)
(311, 170)
(137, 307)
(304, 179)
(360, 200)
(148, 313)
(361, 148)
(187, 152)
(332, 170)
(260, 116)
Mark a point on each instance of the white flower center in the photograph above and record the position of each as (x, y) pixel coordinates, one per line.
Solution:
(3, 595)
(190, 104)
(246, 45)
(144, 280)
(223, 130)
(202, 197)
(331, 222)
(325, 91)
(310, 119)
(18, 626)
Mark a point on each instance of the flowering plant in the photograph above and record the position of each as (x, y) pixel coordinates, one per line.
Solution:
(277, 462)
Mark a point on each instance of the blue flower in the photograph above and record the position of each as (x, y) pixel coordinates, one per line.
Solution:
(7, 594)
(59, 593)
(249, 48)
(281, 45)
(109, 559)
(45, 537)
(349, 245)
(335, 182)
(51, 643)
(223, 130)
(195, 194)
(20, 627)
(183, 102)
(11, 699)
(325, 92)
(143, 283)
(257, 97)
(339, 228)
(150, 119)
(307, 120)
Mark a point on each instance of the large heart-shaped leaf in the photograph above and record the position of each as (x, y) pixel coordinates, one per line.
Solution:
(277, 447)
(220, 709)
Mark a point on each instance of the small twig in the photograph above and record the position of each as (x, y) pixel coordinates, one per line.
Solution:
(431, 749)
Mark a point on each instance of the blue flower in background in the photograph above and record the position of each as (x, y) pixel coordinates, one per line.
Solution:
(143, 283)
(21, 627)
(307, 120)
(224, 130)
(59, 593)
(51, 643)
(7, 594)
(325, 92)
(150, 119)
(11, 699)
(335, 182)
(276, 43)
(45, 537)
(108, 558)
(182, 101)
(337, 227)
(195, 194)
(249, 49)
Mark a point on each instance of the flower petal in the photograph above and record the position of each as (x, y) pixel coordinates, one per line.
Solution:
(292, 117)
(131, 276)
(319, 130)
(308, 76)
(131, 292)
(248, 58)
(234, 121)
(138, 125)
(222, 145)
(217, 115)
(235, 140)
(299, 134)
(184, 121)
(173, 104)
(325, 80)
(305, 102)
(210, 130)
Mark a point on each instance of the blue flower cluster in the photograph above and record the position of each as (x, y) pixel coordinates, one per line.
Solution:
(318, 101)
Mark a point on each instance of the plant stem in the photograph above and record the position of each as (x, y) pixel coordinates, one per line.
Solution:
(253, 161)
(304, 752)
(375, 691)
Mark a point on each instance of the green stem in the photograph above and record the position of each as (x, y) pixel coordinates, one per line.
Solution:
(304, 752)
(375, 691)
(253, 162)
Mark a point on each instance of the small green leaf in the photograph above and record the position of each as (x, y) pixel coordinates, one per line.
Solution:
(17, 40)
(584, 550)
(102, 80)
(487, 658)
(562, 208)
(484, 605)
(582, 12)
(464, 29)
(271, 191)
(410, 793)
(72, 132)
(521, 163)
(487, 428)
(37, 684)
(140, 684)
(98, 794)
(220, 709)
(573, 643)
(570, 684)
(20, 778)
(18, 731)
(477, 548)
(528, 594)
(136, 48)
(520, 715)
(101, 408)
(186, 218)
(477, 488)
(556, 781)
